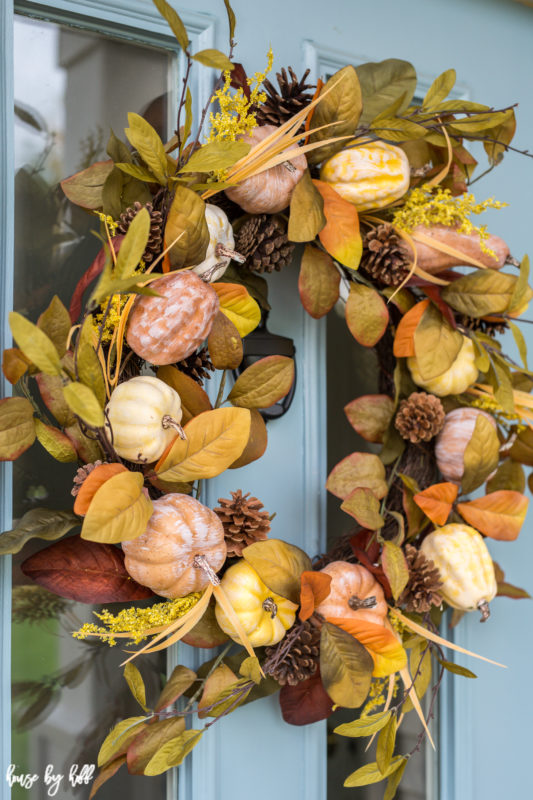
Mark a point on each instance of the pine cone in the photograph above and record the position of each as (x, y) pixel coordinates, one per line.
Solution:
(295, 658)
(264, 242)
(282, 104)
(197, 366)
(385, 258)
(81, 474)
(244, 522)
(155, 237)
(487, 326)
(424, 585)
(420, 417)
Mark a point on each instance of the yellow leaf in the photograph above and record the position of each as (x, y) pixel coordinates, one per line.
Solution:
(84, 403)
(17, 428)
(119, 510)
(35, 344)
(264, 383)
(239, 307)
(340, 236)
(366, 314)
(55, 442)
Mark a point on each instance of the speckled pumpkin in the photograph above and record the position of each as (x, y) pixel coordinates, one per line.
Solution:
(354, 594)
(162, 557)
(453, 439)
(220, 233)
(369, 176)
(264, 615)
(166, 329)
(455, 380)
(269, 191)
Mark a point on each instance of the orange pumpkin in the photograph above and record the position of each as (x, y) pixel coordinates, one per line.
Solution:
(166, 329)
(354, 594)
(162, 558)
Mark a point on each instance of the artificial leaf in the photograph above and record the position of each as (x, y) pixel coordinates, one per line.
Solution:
(216, 155)
(481, 454)
(340, 236)
(395, 568)
(214, 440)
(117, 149)
(382, 83)
(251, 668)
(279, 565)
(520, 341)
(522, 449)
(51, 389)
(386, 650)
(87, 361)
(393, 129)
(133, 245)
(508, 590)
(499, 377)
(437, 344)
(134, 680)
(186, 229)
(35, 344)
(231, 19)
(367, 316)
(436, 501)
(365, 726)
(228, 697)
(496, 145)
(172, 753)
(135, 171)
(257, 441)
(145, 139)
(89, 276)
(55, 322)
(318, 282)
(345, 666)
(92, 483)
(207, 633)
(194, 399)
(481, 292)
(499, 514)
(306, 218)
(370, 415)
(107, 772)
(358, 470)
(420, 667)
(175, 23)
(42, 523)
(395, 778)
(306, 702)
(439, 90)
(385, 744)
(85, 188)
(14, 364)
(363, 506)
(146, 744)
(509, 475)
(404, 340)
(180, 680)
(17, 428)
(213, 58)
(119, 738)
(83, 402)
(239, 306)
(119, 510)
(521, 289)
(263, 383)
(88, 450)
(88, 572)
(55, 442)
(315, 587)
(342, 104)
(256, 286)
(224, 343)
(457, 669)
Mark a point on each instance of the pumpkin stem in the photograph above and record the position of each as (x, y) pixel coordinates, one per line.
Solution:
(356, 603)
(168, 422)
(222, 250)
(288, 166)
(485, 610)
(200, 562)
(270, 606)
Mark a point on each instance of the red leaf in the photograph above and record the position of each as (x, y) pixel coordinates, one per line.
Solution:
(239, 79)
(315, 589)
(433, 292)
(365, 559)
(88, 277)
(306, 702)
(88, 572)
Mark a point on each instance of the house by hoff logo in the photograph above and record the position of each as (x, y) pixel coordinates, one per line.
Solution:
(77, 776)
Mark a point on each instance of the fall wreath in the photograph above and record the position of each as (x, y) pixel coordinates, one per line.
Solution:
(373, 189)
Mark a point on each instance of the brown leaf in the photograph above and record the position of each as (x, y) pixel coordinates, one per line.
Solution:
(315, 589)
(306, 702)
(194, 399)
(14, 364)
(370, 415)
(436, 501)
(92, 483)
(149, 740)
(318, 282)
(85, 188)
(180, 680)
(263, 383)
(499, 515)
(224, 343)
(106, 773)
(257, 441)
(366, 314)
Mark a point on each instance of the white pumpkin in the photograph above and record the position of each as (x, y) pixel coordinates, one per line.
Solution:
(455, 380)
(144, 415)
(221, 244)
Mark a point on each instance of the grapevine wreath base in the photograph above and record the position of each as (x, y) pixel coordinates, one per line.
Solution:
(371, 194)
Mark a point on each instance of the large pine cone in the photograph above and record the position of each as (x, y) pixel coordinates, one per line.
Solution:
(263, 240)
(155, 237)
(296, 657)
(283, 103)
(385, 257)
(244, 522)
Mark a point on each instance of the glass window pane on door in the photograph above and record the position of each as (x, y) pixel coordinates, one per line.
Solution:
(70, 88)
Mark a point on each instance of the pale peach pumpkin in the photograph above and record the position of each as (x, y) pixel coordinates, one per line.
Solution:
(166, 329)
(453, 439)
(433, 261)
(162, 557)
(354, 594)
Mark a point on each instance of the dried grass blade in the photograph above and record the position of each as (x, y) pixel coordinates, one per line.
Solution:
(228, 609)
(408, 682)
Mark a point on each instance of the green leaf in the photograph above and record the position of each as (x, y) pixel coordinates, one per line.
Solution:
(263, 383)
(343, 104)
(519, 341)
(395, 567)
(134, 680)
(250, 668)
(306, 218)
(40, 523)
(148, 144)
(437, 344)
(521, 286)
(141, 173)
(499, 376)
(500, 137)
(117, 149)
(384, 82)
(480, 123)
(17, 428)
(84, 403)
(118, 738)
(55, 322)
(279, 565)
(55, 442)
(174, 20)
(231, 19)
(87, 362)
(172, 753)
(439, 90)
(186, 227)
(482, 357)
(214, 156)
(109, 284)
(345, 667)
(398, 130)
(371, 773)
(481, 292)
(214, 58)
(509, 475)
(457, 669)
(35, 344)
(180, 680)
(385, 745)
(112, 194)
(85, 188)
(394, 779)
(363, 505)
(133, 245)
(365, 726)
(481, 454)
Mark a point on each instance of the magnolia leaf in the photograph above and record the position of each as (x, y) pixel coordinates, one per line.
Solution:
(92, 483)
(345, 666)
(194, 399)
(214, 440)
(522, 449)
(404, 340)
(481, 455)
(436, 501)
(318, 282)
(306, 218)
(370, 415)
(358, 470)
(499, 515)
(224, 343)
(279, 565)
(392, 129)
(119, 738)
(342, 105)
(175, 23)
(257, 441)
(386, 650)
(134, 680)
(35, 344)
(85, 188)
(251, 668)
(509, 475)
(496, 146)
(382, 83)
(263, 383)
(439, 90)
(117, 149)
(106, 773)
(365, 726)
(119, 510)
(14, 364)
(83, 402)
(499, 377)
(88, 450)
(55, 442)
(228, 698)
(520, 342)
(340, 236)
(521, 288)
(385, 745)
(482, 292)
(135, 171)
(363, 506)
(367, 315)
(395, 568)
(133, 245)
(17, 427)
(315, 587)
(42, 523)
(217, 155)
(186, 229)
(217, 60)
(457, 669)
(180, 680)
(146, 744)
(437, 344)
(231, 19)
(172, 753)
(306, 702)
(145, 139)
(395, 779)
(238, 306)
(88, 363)
(55, 322)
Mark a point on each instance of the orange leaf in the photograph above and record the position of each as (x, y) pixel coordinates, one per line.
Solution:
(340, 236)
(387, 652)
(315, 589)
(499, 515)
(436, 501)
(238, 306)
(14, 364)
(92, 483)
(404, 341)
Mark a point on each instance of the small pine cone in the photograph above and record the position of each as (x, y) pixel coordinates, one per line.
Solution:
(244, 522)
(283, 103)
(263, 240)
(81, 474)
(197, 366)
(385, 258)
(295, 658)
(420, 417)
(155, 237)
(487, 326)
(424, 585)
